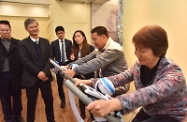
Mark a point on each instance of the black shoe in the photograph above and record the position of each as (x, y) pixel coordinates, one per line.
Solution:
(19, 119)
(62, 105)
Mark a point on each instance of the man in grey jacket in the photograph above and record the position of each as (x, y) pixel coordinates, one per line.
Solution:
(108, 59)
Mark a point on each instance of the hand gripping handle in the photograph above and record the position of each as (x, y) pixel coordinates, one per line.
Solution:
(86, 100)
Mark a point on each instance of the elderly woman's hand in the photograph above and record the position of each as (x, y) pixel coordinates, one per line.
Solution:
(101, 108)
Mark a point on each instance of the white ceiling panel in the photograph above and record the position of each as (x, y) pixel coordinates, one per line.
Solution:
(47, 2)
(87, 1)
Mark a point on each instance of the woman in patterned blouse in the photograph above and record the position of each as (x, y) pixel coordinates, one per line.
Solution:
(160, 85)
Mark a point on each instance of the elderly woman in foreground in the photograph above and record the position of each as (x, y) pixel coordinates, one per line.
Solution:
(160, 85)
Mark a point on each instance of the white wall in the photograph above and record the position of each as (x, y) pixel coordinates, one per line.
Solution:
(17, 26)
(16, 13)
(72, 16)
(171, 15)
(29, 10)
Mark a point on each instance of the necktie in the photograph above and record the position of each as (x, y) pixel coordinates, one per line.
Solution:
(62, 53)
(37, 41)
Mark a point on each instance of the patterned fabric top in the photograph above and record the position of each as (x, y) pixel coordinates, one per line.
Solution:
(167, 95)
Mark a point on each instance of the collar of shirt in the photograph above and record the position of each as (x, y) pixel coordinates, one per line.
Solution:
(106, 45)
(112, 45)
(61, 40)
(6, 40)
(34, 40)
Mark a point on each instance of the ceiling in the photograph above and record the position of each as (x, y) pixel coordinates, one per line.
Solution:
(88, 1)
(47, 2)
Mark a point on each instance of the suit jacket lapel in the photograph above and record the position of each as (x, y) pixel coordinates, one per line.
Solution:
(58, 46)
(12, 45)
(42, 46)
(2, 45)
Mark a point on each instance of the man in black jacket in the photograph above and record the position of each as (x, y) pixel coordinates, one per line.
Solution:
(35, 52)
(10, 74)
(61, 49)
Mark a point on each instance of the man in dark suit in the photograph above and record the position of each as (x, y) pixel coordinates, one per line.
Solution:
(10, 74)
(35, 52)
(61, 49)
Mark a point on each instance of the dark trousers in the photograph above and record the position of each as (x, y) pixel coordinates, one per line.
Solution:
(143, 117)
(32, 93)
(60, 80)
(10, 111)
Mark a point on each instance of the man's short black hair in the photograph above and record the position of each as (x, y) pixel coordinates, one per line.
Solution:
(100, 30)
(59, 28)
(5, 22)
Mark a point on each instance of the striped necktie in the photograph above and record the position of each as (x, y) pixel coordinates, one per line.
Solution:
(37, 41)
(62, 52)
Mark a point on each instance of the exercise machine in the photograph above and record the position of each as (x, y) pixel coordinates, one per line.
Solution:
(92, 94)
